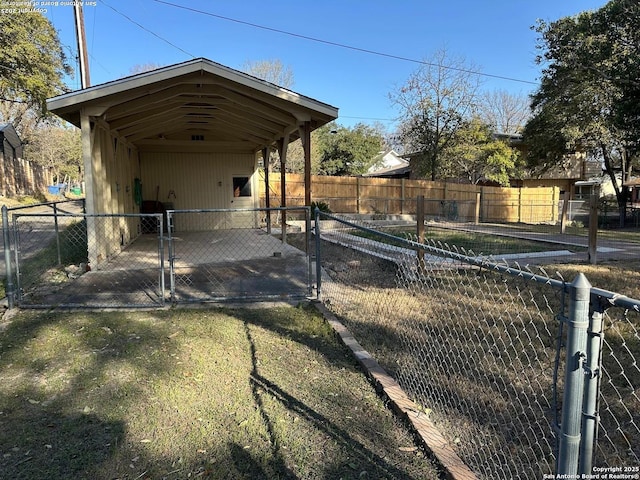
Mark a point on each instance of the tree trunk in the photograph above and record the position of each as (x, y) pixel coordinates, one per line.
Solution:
(620, 192)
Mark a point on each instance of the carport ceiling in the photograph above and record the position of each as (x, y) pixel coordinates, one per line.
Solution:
(197, 105)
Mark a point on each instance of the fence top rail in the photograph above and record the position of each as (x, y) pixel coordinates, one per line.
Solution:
(89, 215)
(482, 262)
(225, 210)
(616, 300)
(44, 204)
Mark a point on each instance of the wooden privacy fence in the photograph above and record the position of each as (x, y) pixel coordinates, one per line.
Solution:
(449, 201)
(22, 177)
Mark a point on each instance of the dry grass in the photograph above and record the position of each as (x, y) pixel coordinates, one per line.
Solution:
(233, 394)
(477, 350)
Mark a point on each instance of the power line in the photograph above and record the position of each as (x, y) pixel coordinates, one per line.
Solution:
(340, 45)
(147, 30)
(370, 118)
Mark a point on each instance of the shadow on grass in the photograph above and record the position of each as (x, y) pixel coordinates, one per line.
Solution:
(73, 382)
(54, 368)
(363, 459)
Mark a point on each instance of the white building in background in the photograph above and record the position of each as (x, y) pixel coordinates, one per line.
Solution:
(389, 164)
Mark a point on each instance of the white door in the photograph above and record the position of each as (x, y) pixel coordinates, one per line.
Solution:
(242, 196)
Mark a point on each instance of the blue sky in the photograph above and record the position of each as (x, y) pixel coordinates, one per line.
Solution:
(494, 35)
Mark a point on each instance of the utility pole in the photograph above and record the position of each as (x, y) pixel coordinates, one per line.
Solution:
(83, 57)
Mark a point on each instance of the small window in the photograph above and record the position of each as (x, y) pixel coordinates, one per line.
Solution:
(197, 138)
(241, 187)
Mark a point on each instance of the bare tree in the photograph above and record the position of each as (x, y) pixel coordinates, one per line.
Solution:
(273, 71)
(503, 111)
(57, 148)
(434, 103)
(144, 67)
(23, 118)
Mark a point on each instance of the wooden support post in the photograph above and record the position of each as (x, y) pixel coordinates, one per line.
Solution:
(89, 202)
(267, 196)
(402, 193)
(305, 136)
(283, 148)
(477, 212)
(358, 195)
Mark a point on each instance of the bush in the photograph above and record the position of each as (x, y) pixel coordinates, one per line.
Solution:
(322, 206)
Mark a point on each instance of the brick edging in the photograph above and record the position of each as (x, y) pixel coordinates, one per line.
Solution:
(431, 438)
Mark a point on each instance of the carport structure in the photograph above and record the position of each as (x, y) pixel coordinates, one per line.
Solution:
(187, 135)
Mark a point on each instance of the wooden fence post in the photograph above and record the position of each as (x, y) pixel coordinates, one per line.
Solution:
(565, 209)
(519, 204)
(477, 213)
(420, 229)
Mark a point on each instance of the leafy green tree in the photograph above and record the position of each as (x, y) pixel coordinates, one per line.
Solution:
(589, 97)
(348, 151)
(32, 63)
(295, 156)
(478, 156)
(434, 104)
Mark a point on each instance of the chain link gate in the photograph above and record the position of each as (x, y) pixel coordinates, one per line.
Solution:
(239, 254)
(81, 260)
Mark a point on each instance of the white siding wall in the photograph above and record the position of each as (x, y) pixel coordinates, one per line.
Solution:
(195, 181)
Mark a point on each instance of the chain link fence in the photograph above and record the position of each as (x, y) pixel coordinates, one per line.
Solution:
(78, 260)
(57, 258)
(482, 347)
(619, 372)
(238, 254)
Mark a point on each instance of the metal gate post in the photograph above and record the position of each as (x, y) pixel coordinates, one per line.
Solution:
(160, 222)
(9, 285)
(579, 294)
(172, 256)
(318, 258)
(592, 373)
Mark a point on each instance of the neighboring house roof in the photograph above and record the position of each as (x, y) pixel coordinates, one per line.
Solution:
(198, 100)
(386, 159)
(388, 163)
(399, 171)
(633, 182)
(8, 133)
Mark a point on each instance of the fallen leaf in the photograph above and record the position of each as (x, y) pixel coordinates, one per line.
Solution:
(145, 440)
(33, 402)
(408, 449)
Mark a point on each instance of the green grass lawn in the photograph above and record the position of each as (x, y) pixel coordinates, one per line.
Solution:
(477, 243)
(199, 393)
(630, 234)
